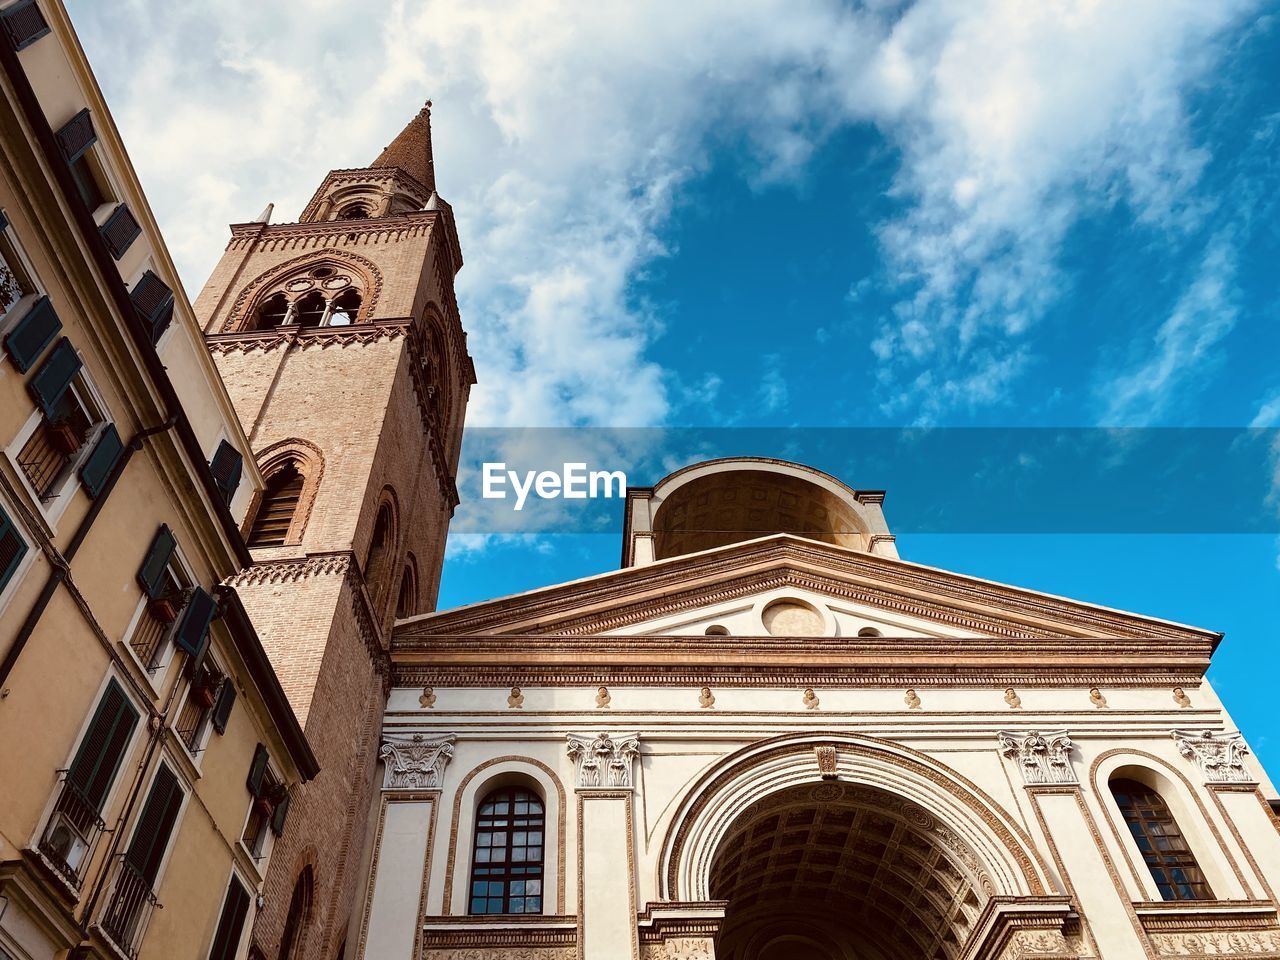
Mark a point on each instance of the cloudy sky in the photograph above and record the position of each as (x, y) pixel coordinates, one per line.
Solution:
(988, 213)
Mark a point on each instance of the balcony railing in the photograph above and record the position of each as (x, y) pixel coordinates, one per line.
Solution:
(148, 637)
(129, 910)
(73, 831)
(45, 455)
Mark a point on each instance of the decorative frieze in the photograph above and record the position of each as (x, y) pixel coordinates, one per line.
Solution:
(1233, 943)
(1042, 758)
(603, 761)
(414, 762)
(1220, 756)
(679, 948)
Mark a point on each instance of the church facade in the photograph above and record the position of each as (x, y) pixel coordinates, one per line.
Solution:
(768, 737)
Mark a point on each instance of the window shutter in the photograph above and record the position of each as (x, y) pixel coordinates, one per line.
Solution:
(231, 923)
(151, 833)
(101, 462)
(226, 465)
(24, 23)
(77, 136)
(279, 814)
(258, 771)
(120, 230)
(13, 547)
(48, 384)
(193, 628)
(94, 768)
(151, 573)
(222, 707)
(30, 335)
(153, 300)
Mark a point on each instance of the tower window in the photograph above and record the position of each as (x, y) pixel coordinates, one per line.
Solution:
(353, 211)
(273, 312)
(507, 855)
(345, 308)
(1172, 864)
(381, 549)
(299, 916)
(309, 311)
(407, 599)
(279, 504)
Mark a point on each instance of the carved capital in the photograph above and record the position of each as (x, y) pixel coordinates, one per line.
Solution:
(1042, 757)
(1220, 756)
(414, 762)
(603, 761)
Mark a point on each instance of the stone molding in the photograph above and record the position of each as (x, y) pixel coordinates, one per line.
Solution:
(414, 762)
(359, 333)
(292, 570)
(1042, 758)
(1219, 756)
(783, 561)
(603, 762)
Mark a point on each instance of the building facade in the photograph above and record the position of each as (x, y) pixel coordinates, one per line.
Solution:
(147, 749)
(767, 737)
(339, 340)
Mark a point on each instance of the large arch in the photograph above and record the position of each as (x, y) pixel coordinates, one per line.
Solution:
(1001, 851)
(859, 847)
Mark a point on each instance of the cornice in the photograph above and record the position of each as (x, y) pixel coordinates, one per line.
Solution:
(358, 333)
(395, 226)
(614, 600)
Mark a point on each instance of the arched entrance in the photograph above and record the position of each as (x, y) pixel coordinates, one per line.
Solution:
(831, 871)
(842, 847)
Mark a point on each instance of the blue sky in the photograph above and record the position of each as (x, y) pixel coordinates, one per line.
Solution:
(987, 213)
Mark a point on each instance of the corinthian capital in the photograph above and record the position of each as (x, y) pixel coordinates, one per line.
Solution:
(413, 762)
(1220, 756)
(603, 761)
(1042, 757)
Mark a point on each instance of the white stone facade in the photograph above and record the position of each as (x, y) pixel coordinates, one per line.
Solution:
(797, 786)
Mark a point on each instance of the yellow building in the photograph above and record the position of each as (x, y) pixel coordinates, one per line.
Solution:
(147, 750)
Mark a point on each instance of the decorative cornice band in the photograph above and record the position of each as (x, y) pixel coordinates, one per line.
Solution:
(359, 333)
(292, 570)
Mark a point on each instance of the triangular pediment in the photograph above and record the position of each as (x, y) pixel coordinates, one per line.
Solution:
(848, 589)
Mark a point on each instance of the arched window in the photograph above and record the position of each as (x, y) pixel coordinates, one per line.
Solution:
(353, 211)
(299, 916)
(381, 552)
(279, 504)
(273, 311)
(507, 855)
(407, 598)
(1172, 864)
(345, 308)
(309, 311)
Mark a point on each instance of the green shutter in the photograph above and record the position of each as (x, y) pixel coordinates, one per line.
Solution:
(94, 769)
(279, 814)
(120, 230)
(102, 460)
(13, 547)
(30, 335)
(258, 771)
(77, 136)
(151, 575)
(231, 924)
(192, 634)
(49, 383)
(222, 706)
(226, 466)
(153, 300)
(155, 825)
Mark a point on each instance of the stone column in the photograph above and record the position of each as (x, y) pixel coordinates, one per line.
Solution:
(606, 845)
(1045, 765)
(396, 894)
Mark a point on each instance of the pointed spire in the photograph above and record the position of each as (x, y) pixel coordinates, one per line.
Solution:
(265, 215)
(411, 150)
(433, 202)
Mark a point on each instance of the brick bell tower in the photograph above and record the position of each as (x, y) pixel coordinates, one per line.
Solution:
(340, 343)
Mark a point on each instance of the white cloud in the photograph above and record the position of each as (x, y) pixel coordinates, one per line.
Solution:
(1268, 414)
(565, 133)
(1185, 345)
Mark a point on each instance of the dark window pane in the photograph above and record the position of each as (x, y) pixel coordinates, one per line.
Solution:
(1172, 864)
